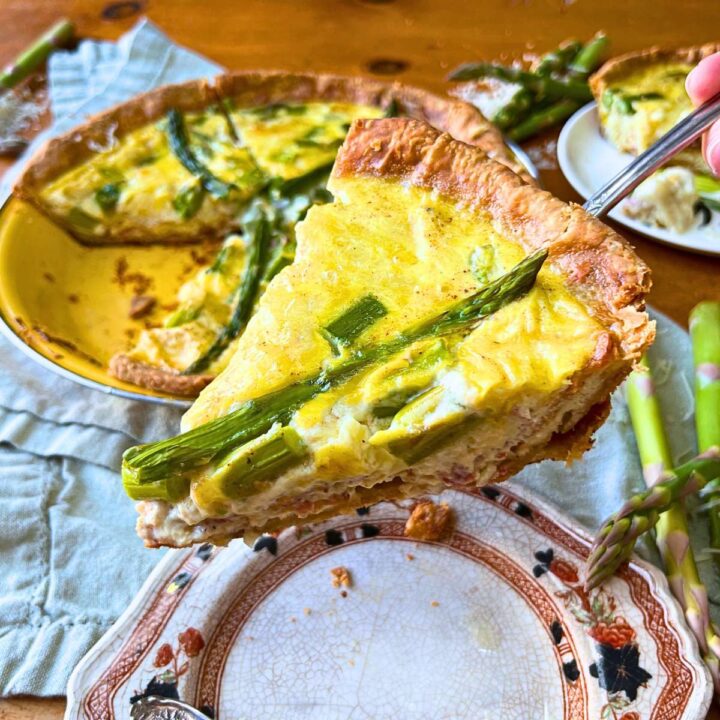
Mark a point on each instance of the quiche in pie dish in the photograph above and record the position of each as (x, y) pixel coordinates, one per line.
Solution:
(443, 322)
(641, 95)
(201, 160)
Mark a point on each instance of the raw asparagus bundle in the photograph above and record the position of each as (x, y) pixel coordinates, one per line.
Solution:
(161, 470)
(546, 94)
(671, 531)
(705, 335)
(616, 538)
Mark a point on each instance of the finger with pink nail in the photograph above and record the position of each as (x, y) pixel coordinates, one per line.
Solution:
(702, 83)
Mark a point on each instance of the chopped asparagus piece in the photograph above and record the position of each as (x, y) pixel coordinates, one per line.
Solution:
(346, 328)
(256, 461)
(189, 200)
(179, 144)
(706, 184)
(173, 489)
(81, 221)
(107, 197)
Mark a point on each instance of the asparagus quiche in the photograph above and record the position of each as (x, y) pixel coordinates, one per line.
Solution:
(239, 159)
(443, 322)
(641, 96)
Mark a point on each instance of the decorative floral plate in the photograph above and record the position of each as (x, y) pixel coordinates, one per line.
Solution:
(588, 161)
(490, 623)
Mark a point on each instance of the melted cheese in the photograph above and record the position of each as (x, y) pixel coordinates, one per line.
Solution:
(412, 250)
(641, 118)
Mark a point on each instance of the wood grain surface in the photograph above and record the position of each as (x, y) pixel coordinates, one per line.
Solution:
(416, 41)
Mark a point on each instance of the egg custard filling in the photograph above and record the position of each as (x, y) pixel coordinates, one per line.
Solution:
(241, 164)
(407, 324)
(638, 109)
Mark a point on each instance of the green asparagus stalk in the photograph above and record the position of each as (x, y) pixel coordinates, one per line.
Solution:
(558, 60)
(346, 328)
(257, 230)
(200, 446)
(589, 58)
(671, 531)
(257, 461)
(28, 61)
(705, 335)
(542, 87)
(180, 145)
(616, 539)
(543, 119)
(514, 110)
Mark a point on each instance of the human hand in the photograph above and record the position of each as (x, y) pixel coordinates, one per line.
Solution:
(702, 83)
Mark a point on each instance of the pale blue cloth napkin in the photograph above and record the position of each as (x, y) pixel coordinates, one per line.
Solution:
(69, 559)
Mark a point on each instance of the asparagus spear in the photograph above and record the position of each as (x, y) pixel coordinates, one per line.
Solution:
(24, 64)
(199, 447)
(616, 539)
(589, 58)
(671, 531)
(344, 330)
(257, 229)
(541, 86)
(558, 60)
(705, 335)
(514, 110)
(180, 145)
(543, 119)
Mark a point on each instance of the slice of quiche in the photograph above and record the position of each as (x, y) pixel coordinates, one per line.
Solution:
(641, 95)
(240, 158)
(443, 322)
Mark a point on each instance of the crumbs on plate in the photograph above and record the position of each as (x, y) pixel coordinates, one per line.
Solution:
(341, 577)
(429, 521)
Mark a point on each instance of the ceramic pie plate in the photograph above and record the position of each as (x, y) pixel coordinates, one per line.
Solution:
(588, 161)
(490, 623)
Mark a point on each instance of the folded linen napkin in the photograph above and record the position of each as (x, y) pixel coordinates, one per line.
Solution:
(69, 559)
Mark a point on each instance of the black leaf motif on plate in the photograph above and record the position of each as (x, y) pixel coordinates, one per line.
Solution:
(266, 542)
(619, 669)
(369, 531)
(333, 537)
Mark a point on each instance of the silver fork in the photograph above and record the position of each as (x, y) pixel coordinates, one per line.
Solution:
(162, 708)
(685, 133)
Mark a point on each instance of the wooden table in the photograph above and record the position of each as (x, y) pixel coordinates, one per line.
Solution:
(418, 41)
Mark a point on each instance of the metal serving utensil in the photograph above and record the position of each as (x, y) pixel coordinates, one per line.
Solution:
(155, 707)
(685, 133)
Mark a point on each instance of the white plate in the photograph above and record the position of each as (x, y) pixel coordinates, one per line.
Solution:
(491, 623)
(588, 161)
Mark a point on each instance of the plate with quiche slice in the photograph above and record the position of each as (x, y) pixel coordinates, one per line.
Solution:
(467, 605)
(137, 246)
(638, 98)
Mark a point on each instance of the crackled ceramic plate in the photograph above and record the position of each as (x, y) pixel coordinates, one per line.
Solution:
(588, 161)
(490, 623)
